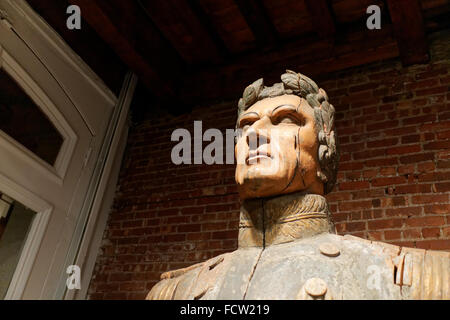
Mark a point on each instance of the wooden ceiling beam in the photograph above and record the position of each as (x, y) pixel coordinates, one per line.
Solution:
(409, 30)
(259, 22)
(312, 59)
(322, 18)
(207, 23)
(86, 42)
(183, 29)
(107, 28)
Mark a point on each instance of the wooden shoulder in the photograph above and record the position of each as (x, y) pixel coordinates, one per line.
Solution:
(391, 248)
(178, 284)
(179, 272)
(423, 274)
(165, 289)
(429, 273)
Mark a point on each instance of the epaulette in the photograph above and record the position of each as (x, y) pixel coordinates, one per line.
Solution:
(425, 273)
(179, 272)
(179, 283)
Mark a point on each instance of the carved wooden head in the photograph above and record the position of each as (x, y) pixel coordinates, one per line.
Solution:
(288, 139)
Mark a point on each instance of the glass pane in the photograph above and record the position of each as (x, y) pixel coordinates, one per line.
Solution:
(22, 119)
(15, 222)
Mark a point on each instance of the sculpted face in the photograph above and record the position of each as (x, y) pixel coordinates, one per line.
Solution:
(278, 150)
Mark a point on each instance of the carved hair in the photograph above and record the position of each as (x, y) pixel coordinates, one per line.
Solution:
(302, 86)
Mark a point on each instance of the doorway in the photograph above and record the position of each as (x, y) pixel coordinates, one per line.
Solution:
(54, 117)
(15, 224)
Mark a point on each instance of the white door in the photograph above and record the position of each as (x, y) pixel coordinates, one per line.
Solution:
(49, 179)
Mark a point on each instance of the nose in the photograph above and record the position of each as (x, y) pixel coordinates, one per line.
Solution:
(258, 133)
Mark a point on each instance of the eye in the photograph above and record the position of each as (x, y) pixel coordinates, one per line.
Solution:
(287, 119)
(245, 124)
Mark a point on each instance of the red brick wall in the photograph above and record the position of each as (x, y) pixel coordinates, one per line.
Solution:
(394, 181)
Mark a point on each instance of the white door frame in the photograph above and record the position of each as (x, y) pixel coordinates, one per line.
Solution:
(85, 249)
(35, 234)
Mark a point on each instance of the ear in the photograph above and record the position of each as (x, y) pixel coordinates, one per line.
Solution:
(322, 176)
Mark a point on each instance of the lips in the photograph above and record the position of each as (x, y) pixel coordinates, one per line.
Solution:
(256, 156)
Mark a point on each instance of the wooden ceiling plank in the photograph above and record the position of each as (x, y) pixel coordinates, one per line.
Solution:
(259, 22)
(409, 30)
(181, 26)
(107, 30)
(309, 48)
(227, 83)
(322, 17)
(207, 23)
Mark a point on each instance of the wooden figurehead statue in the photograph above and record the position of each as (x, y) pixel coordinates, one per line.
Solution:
(287, 159)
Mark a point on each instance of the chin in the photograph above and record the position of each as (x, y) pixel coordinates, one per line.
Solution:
(260, 187)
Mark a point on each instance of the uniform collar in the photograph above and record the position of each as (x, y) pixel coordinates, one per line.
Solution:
(281, 219)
